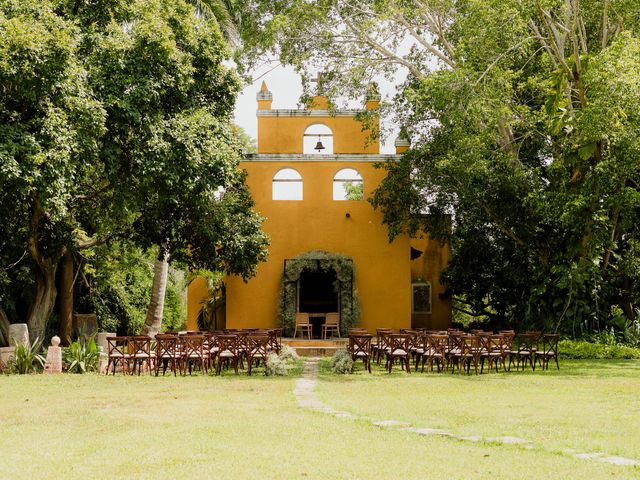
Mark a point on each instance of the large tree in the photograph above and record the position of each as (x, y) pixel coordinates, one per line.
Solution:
(523, 116)
(115, 123)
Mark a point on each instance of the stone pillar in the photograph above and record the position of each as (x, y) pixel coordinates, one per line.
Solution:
(101, 339)
(53, 364)
(101, 342)
(19, 334)
(86, 325)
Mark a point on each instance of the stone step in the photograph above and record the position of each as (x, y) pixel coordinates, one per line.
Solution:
(316, 351)
(299, 342)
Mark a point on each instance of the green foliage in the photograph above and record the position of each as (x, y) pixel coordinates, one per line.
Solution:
(275, 366)
(523, 120)
(81, 357)
(26, 359)
(281, 364)
(341, 362)
(581, 349)
(288, 354)
(115, 123)
(118, 278)
(354, 191)
(326, 262)
(216, 298)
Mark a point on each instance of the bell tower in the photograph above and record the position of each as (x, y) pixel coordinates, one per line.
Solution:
(282, 131)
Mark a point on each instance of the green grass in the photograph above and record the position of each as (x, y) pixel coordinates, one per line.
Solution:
(74, 426)
(588, 406)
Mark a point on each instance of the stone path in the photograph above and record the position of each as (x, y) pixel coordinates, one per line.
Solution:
(306, 396)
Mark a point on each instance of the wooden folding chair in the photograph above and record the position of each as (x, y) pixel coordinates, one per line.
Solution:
(228, 352)
(549, 350)
(303, 323)
(275, 340)
(380, 348)
(399, 348)
(524, 350)
(494, 351)
(193, 352)
(167, 353)
(360, 348)
(331, 324)
(118, 352)
(140, 350)
(258, 350)
(435, 350)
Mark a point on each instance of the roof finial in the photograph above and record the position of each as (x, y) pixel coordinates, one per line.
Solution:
(264, 94)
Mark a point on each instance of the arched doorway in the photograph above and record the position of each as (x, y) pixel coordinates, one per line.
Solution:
(318, 294)
(318, 282)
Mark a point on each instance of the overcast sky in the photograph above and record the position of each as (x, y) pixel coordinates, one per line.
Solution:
(286, 87)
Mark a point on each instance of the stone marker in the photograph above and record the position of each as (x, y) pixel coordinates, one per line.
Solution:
(86, 325)
(6, 355)
(19, 334)
(101, 339)
(53, 363)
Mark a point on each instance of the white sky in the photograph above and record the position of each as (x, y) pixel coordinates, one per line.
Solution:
(286, 88)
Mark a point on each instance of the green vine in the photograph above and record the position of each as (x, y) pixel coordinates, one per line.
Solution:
(325, 262)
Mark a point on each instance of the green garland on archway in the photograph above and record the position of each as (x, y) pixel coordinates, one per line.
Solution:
(326, 262)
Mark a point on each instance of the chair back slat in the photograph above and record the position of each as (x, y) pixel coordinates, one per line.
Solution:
(359, 344)
(332, 318)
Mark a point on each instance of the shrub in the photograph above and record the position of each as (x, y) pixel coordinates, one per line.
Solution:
(275, 366)
(288, 354)
(26, 359)
(579, 349)
(341, 362)
(81, 358)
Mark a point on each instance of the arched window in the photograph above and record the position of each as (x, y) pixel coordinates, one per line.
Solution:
(287, 185)
(314, 134)
(348, 185)
(420, 297)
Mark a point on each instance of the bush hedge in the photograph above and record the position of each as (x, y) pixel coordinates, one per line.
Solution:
(580, 349)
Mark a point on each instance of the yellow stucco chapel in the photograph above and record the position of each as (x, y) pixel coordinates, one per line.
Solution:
(310, 178)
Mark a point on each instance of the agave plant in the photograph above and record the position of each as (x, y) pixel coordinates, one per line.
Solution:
(81, 357)
(26, 358)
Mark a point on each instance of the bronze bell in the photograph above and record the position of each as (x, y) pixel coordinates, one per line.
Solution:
(319, 147)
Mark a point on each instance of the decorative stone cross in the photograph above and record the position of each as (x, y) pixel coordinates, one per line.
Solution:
(53, 364)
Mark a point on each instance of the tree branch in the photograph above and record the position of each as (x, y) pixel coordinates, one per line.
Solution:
(384, 51)
(483, 312)
(4, 327)
(433, 50)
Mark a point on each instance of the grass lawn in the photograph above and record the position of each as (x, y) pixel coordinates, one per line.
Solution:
(72, 426)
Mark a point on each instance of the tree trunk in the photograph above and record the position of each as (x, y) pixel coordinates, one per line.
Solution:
(66, 299)
(153, 322)
(4, 328)
(627, 304)
(43, 300)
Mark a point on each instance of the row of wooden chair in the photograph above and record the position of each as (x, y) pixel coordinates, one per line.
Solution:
(454, 349)
(204, 350)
